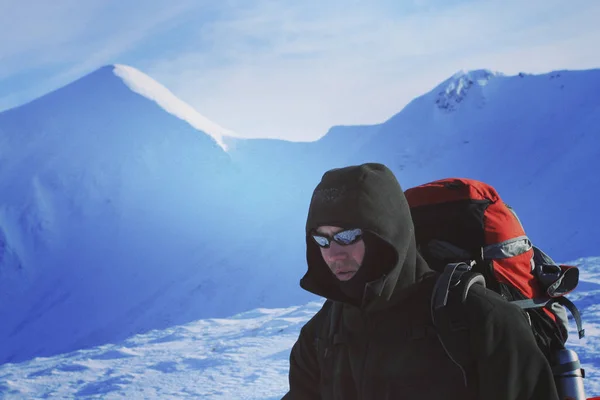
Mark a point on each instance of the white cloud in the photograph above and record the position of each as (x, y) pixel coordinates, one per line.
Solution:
(73, 37)
(292, 69)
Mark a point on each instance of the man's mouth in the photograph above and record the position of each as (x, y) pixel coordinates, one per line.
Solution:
(345, 273)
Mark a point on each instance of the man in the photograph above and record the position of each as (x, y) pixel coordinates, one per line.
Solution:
(362, 256)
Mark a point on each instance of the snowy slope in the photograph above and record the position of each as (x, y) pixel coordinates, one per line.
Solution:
(242, 357)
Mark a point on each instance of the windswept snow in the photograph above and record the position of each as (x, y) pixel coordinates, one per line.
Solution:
(148, 87)
(242, 357)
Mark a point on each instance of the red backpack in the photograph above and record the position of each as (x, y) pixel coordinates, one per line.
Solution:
(466, 221)
(466, 232)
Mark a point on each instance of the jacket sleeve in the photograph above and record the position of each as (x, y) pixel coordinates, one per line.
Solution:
(509, 364)
(304, 372)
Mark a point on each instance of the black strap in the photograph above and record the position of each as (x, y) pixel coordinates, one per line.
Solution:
(449, 319)
(563, 301)
(568, 304)
(449, 278)
(532, 303)
(470, 279)
(568, 367)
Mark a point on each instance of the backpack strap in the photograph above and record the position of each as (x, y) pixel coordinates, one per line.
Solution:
(447, 299)
(461, 274)
(547, 302)
(454, 275)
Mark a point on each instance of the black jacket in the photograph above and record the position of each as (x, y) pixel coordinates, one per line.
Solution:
(386, 346)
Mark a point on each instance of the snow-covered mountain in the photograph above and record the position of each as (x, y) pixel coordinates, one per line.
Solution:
(121, 212)
(536, 138)
(124, 210)
(242, 357)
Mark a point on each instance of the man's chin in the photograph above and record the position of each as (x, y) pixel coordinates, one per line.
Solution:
(345, 276)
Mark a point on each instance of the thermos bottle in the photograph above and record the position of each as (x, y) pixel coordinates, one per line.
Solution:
(568, 375)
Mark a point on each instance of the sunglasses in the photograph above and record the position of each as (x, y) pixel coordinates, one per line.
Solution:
(343, 238)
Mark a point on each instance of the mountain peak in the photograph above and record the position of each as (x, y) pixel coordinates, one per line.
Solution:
(145, 86)
(476, 74)
(455, 89)
(110, 83)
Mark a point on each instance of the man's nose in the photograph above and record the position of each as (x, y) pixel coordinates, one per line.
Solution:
(336, 250)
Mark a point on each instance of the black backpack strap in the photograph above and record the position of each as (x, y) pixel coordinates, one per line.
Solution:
(568, 304)
(447, 315)
(547, 302)
(454, 275)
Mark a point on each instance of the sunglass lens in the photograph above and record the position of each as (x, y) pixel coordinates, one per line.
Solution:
(321, 241)
(348, 237)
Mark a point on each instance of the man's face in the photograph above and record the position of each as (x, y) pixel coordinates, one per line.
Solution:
(343, 261)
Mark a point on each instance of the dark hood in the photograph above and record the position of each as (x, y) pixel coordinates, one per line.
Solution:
(369, 197)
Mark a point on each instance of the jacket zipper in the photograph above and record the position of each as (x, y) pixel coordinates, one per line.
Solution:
(367, 334)
(364, 363)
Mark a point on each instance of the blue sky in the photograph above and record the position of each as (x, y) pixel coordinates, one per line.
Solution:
(290, 69)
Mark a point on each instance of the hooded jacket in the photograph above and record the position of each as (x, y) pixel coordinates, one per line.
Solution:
(385, 345)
